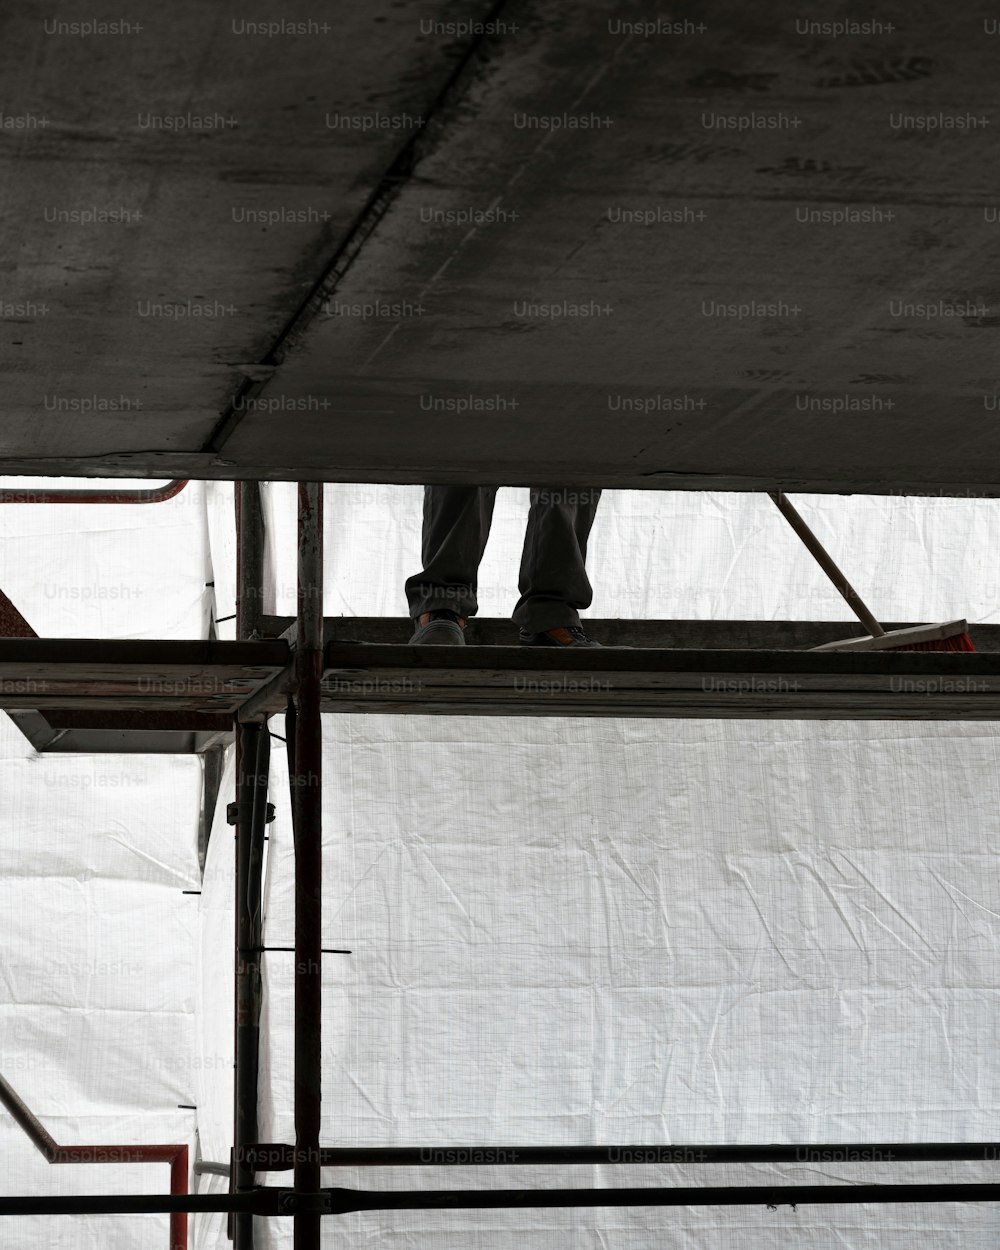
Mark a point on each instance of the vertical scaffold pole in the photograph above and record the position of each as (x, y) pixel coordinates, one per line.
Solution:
(250, 831)
(307, 795)
(251, 796)
(249, 560)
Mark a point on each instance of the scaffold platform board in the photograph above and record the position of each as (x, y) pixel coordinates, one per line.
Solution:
(137, 687)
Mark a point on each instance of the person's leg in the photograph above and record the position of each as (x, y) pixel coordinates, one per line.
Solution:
(455, 529)
(554, 585)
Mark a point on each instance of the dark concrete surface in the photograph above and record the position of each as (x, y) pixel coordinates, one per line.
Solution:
(474, 298)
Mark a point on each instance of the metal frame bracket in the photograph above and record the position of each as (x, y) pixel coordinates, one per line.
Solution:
(233, 814)
(292, 1203)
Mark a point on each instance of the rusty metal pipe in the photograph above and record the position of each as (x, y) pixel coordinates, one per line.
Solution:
(28, 1121)
(175, 1154)
(155, 494)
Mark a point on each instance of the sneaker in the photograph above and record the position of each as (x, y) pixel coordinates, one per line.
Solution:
(440, 628)
(560, 636)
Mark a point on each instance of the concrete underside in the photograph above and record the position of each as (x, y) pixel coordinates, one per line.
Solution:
(296, 369)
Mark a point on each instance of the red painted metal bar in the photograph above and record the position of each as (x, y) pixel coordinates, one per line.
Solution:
(176, 1155)
(31, 494)
(308, 834)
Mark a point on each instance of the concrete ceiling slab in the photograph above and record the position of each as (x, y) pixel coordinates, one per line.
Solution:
(170, 195)
(731, 250)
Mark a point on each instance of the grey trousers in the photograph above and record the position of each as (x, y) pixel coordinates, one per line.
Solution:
(553, 579)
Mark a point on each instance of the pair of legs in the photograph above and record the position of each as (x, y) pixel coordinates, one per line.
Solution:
(553, 580)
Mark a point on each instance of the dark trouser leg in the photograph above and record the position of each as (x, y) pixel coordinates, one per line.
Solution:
(554, 585)
(456, 527)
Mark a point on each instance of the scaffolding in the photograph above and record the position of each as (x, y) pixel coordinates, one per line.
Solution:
(305, 666)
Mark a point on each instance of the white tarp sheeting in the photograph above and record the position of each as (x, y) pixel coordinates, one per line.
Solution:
(561, 931)
(98, 969)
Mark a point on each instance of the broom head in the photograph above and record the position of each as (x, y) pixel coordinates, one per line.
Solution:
(945, 636)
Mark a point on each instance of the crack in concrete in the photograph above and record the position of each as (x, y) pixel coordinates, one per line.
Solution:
(384, 194)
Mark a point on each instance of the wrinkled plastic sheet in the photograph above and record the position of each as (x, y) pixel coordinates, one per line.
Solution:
(98, 981)
(572, 932)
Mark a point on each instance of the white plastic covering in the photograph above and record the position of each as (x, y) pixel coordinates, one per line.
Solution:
(97, 973)
(561, 931)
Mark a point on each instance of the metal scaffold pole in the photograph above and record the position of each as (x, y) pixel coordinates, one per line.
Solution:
(252, 755)
(307, 795)
(251, 820)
